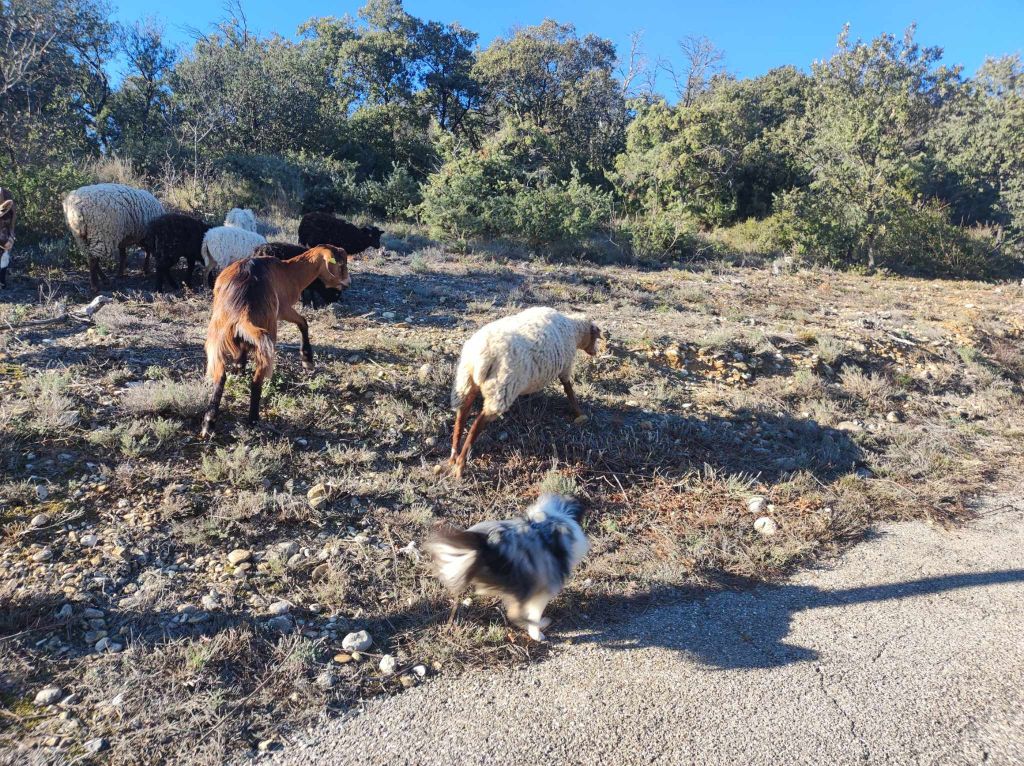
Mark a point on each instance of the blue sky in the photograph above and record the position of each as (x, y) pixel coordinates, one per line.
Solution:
(756, 35)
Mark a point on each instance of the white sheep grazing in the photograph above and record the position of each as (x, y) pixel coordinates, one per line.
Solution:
(519, 354)
(108, 217)
(241, 218)
(223, 245)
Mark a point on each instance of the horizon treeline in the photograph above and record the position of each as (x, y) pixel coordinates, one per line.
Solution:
(881, 156)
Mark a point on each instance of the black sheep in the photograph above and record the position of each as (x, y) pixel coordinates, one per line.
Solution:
(317, 294)
(325, 229)
(168, 239)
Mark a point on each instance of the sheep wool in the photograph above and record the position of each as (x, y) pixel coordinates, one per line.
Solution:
(223, 245)
(517, 355)
(105, 218)
(241, 218)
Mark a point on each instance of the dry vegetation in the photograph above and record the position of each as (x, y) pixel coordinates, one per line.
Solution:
(840, 399)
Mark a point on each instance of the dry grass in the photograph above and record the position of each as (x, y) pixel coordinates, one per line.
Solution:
(842, 400)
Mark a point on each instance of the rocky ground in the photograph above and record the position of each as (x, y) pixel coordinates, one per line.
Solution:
(166, 599)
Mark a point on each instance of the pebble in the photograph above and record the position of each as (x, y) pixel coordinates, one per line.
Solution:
(42, 492)
(65, 611)
(756, 504)
(102, 645)
(388, 315)
(317, 496)
(420, 670)
(424, 372)
(281, 624)
(766, 526)
(894, 417)
(210, 601)
(407, 681)
(39, 520)
(388, 663)
(97, 745)
(91, 613)
(288, 549)
(44, 555)
(326, 680)
(89, 541)
(239, 555)
(850, 426)
(279, 608)
(359, 641)
(49, 695)
(342, 657)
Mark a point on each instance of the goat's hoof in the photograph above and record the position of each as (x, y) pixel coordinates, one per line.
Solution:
(580, 420)
(458, 469)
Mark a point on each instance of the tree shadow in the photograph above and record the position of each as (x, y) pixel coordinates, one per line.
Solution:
(740, 629)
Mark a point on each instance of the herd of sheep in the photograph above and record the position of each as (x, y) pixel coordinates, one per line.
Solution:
(503, 360)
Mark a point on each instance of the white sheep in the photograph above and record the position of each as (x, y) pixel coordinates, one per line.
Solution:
(108, 217)
(519, 354)
(223, 245)
(241, 218)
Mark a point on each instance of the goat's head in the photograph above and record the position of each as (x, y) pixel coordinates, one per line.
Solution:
(333, 267)
(6, 224)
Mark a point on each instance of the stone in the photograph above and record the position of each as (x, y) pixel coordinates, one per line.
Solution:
(420, 670)
(342, 658)
(766, 526)
(239, 556)
(42, 492)
(44, 555)
(288, 549)
(281, 624)
(326, 680)
(279, 608)
(359, 641)
(407, 681)
(91, 613)
(387, 315)
(89, 541)
(894, 417)
(850, 426)
(97, 745)
(39, 520)
(65, 612)
(49, 695)
(424, 373)
(388, 663)
(755, 504)
(102, 645)
(210, 601)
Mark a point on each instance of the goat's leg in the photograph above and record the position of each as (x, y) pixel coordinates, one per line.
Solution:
(210, 418)
(122, 260)
(289, 314)
(574, 403)
(474, 431)
(460, 421)
(145, 264)
(243, 359)
(256, 391)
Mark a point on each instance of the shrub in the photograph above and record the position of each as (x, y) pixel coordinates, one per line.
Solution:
(395, 197)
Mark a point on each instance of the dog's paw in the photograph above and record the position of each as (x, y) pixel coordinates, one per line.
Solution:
(536, 634)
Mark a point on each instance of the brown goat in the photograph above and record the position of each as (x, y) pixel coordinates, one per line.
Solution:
(249, 298)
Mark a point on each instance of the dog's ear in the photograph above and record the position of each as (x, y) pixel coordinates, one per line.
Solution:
(577, 509)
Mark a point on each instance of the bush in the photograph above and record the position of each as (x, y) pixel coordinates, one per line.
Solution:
(394, 198)
(659, 235)
(38, 192)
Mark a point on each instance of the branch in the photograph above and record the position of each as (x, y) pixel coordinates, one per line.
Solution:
(84, 315)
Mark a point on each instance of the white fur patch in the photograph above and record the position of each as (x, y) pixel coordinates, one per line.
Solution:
(452, 563)
(5, 259)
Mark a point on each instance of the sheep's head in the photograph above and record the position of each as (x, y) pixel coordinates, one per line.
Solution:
(334, 267)
(590, 339)
(374, 234)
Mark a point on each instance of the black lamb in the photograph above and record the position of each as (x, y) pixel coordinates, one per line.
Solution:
(168, 239)
(317, 294)
(325, 229)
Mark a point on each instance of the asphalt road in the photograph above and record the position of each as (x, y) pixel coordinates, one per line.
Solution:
(908, 650)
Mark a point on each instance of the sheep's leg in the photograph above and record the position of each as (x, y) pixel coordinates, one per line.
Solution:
(289, 314)
(474, 431)
(460, 421)
(122, 260)
(574, 403)
(145, 265)
(210, 418)
(95, 273)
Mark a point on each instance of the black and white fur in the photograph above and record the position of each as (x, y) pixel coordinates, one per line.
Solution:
(524, 561)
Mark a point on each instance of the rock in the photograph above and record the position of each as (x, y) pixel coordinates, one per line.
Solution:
(359, 641)
(864, 473)
(281, 624)
(102, 645)
(317, 496)
(65, 612)
(49, 695)
(894, 417)
(288, 549)
(342, 658)
(388, 663)
(850, 426)
(91, 613)
(296, 561)
(39, 520)
(326, 680)
(755, 504)
(267, 745)
(424, 373)
(238, 556)
(387, 315)
(407, 681)
(121, 552)
(44, 555)
(97, 745)
(89, 541)
(420, 670)
(279, 607)
(42, 492)
(766, 526)
(210, 601)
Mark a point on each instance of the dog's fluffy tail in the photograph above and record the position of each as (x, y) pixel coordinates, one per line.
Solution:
(456, 554)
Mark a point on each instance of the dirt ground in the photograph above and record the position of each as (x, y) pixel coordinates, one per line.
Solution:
(822, 401)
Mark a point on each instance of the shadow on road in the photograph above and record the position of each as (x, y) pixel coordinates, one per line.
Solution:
(730, 629)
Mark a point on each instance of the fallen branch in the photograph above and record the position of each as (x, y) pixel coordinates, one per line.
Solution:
(84, 315)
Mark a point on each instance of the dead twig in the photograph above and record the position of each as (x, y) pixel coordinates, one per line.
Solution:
(84, 316)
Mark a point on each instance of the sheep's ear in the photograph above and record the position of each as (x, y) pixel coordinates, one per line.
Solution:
(6, 207)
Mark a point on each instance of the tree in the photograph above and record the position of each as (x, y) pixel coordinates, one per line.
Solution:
(862, 138)
(564, 85)
(446, 60)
